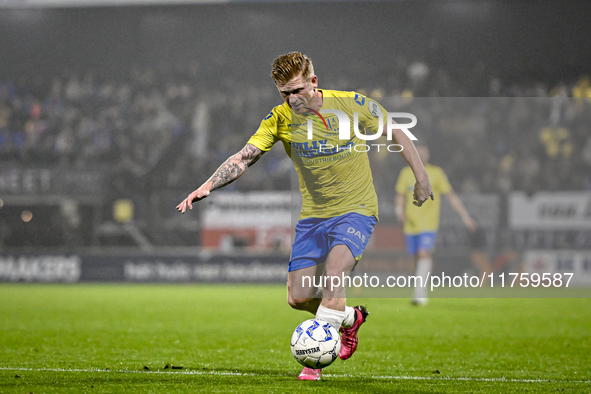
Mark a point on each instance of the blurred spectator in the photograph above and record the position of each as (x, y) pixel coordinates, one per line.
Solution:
(130, 124)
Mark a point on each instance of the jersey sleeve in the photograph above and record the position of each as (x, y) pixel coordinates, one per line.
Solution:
(370, 112)
(266, 135)
(443, 185)
(401, 183)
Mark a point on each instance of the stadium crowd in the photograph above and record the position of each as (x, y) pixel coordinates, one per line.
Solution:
(163, 125)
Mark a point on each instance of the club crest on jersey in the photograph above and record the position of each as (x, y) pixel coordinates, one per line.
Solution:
(316, 115)
(333, 124)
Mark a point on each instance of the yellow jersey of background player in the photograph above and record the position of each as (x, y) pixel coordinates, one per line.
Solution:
(421, 225)
(426, 218)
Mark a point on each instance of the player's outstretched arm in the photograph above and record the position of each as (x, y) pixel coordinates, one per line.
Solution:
(423, 189)
(399, 207)
(457, 205)
(227, 173)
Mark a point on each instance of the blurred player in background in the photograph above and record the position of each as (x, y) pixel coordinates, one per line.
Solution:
(421, 225)
(339, 207)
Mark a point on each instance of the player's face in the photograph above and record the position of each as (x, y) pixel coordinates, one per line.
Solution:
(298, 92)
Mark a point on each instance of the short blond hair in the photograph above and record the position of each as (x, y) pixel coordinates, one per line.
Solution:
(290, 65)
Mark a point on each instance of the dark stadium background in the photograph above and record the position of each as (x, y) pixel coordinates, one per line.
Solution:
(110, 116)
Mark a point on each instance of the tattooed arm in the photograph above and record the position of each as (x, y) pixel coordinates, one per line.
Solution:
(224, 175)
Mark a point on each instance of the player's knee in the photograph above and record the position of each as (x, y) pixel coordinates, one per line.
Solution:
(298, 303)
(423, 254)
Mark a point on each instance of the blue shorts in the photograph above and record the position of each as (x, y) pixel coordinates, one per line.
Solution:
(423, 241)
(315, 237)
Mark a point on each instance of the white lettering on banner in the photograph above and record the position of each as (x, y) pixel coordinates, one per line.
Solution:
(550, 210)
(247, 210)
(560, 261)
(149, 271)
(40, 268)
(182, 272)
(25, 181)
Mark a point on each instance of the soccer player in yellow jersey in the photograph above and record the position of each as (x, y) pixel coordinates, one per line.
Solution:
(421, 225)
(340, 207)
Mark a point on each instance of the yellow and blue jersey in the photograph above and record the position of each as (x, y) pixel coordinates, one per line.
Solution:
(425, 218)
(334, 175)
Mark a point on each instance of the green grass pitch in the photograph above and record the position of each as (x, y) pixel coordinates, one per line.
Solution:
(100, 338)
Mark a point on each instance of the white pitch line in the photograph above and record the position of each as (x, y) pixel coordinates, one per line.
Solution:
(229, 373)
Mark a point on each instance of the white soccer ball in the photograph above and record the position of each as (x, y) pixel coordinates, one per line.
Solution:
(315, 343)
